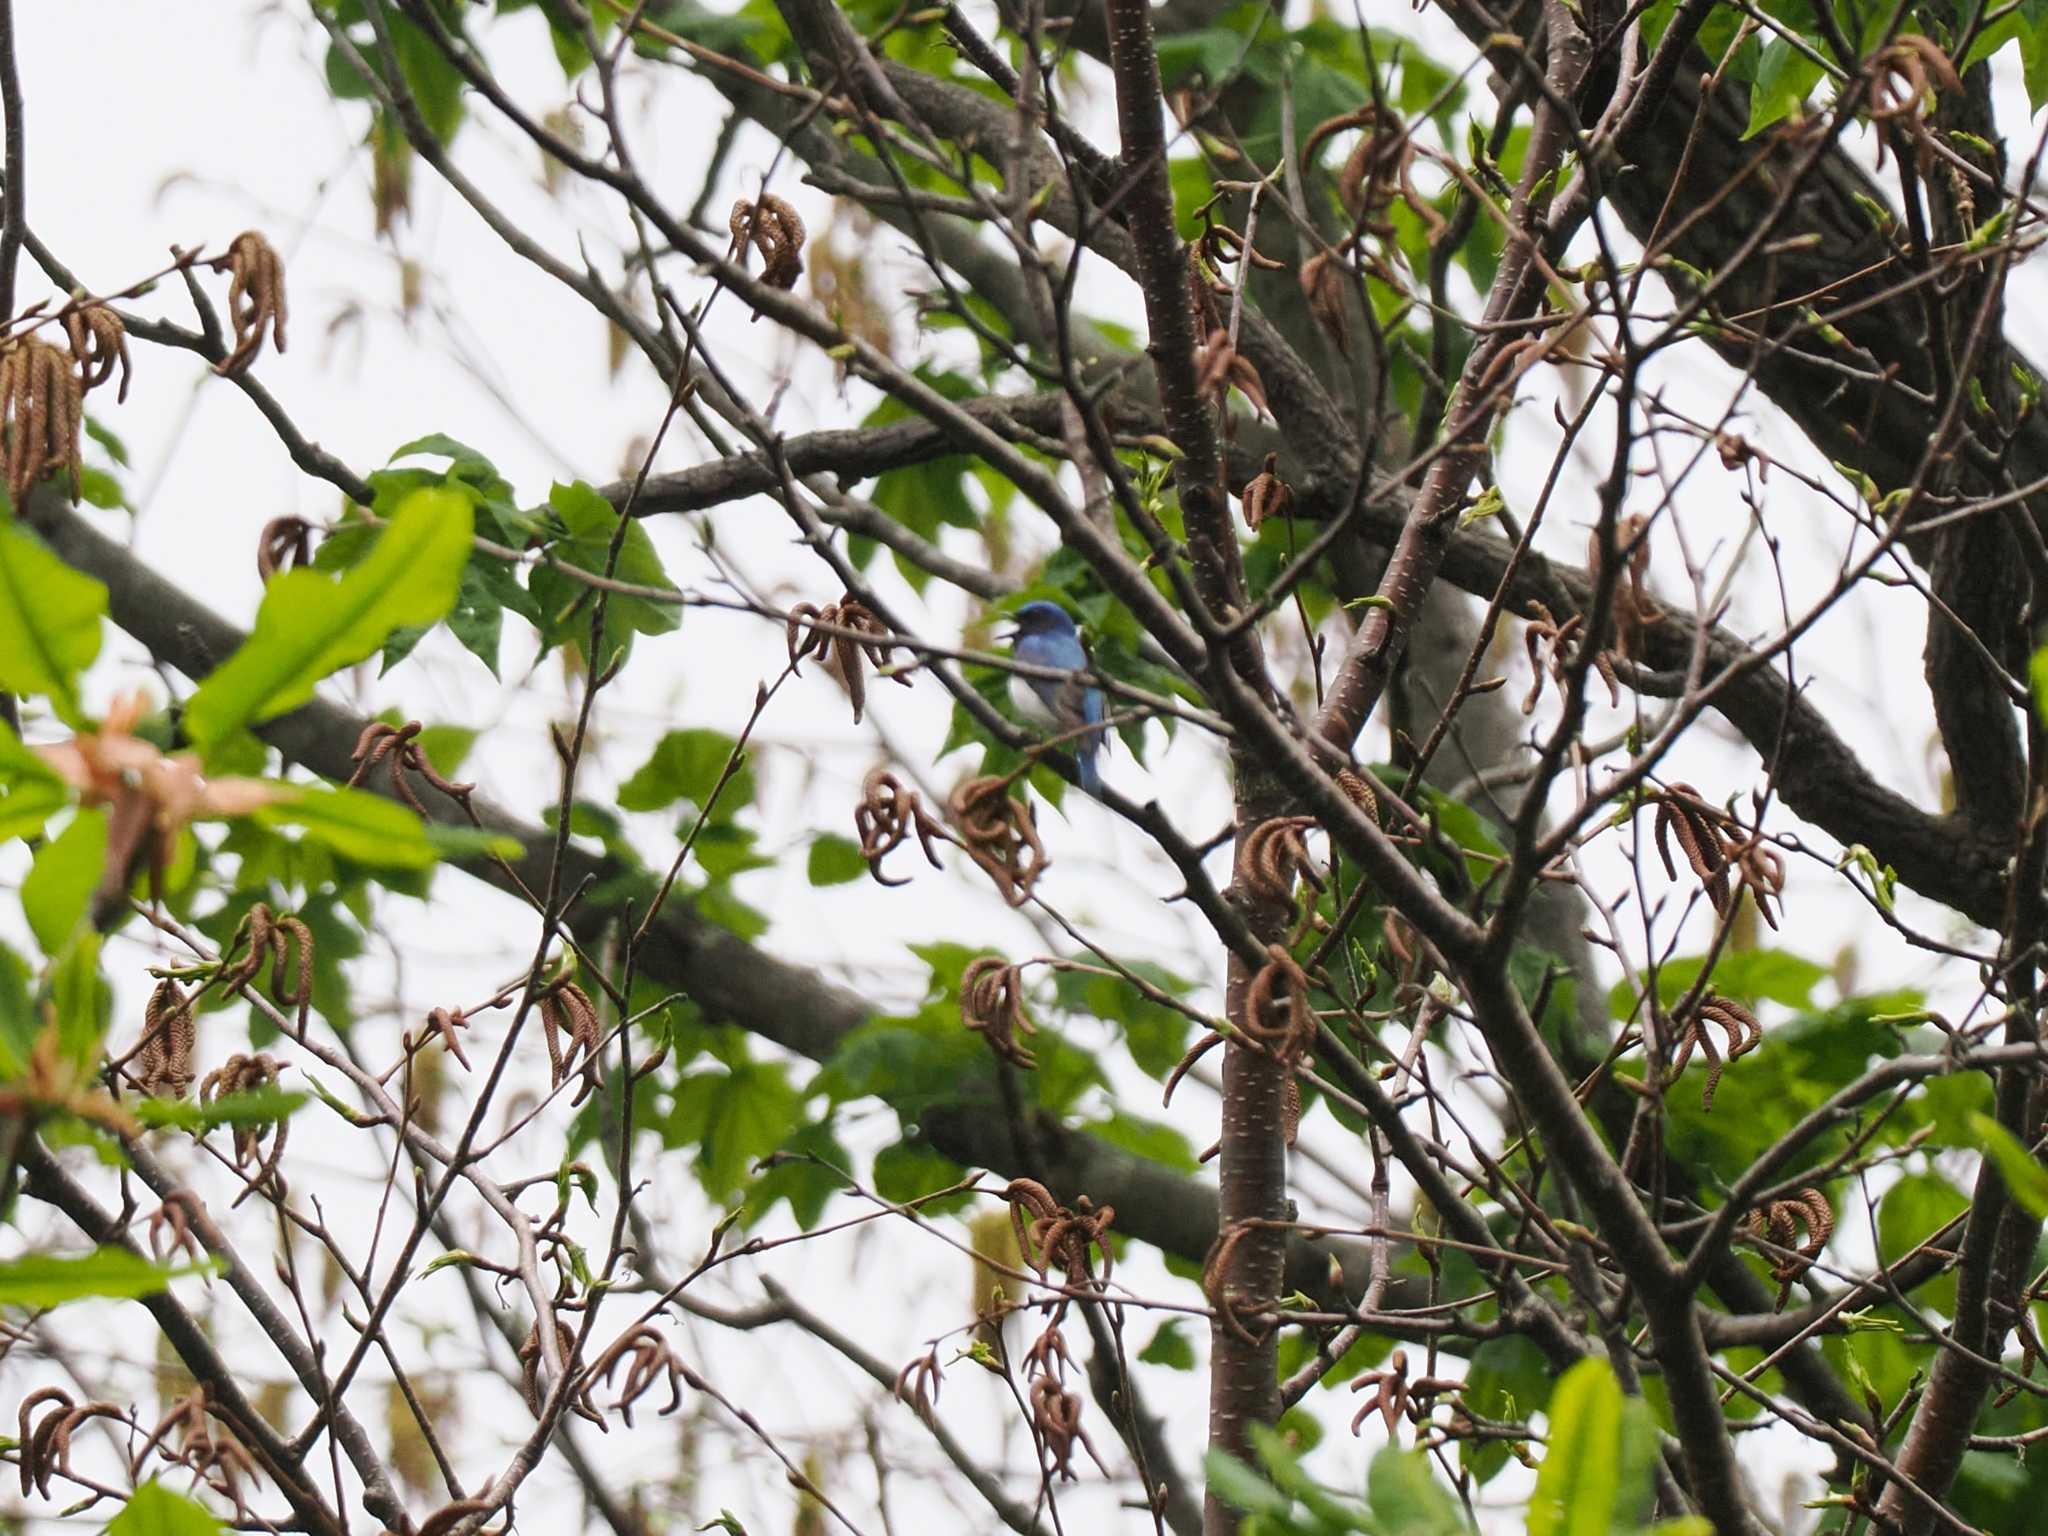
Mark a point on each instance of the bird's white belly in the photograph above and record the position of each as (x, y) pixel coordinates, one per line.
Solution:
(1029, 706)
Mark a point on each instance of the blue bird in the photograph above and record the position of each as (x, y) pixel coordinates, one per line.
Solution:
(1045, 637)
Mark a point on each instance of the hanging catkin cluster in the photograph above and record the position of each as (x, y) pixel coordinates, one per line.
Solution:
(99, 342)
(255, 298)
(42, 401)
(772, 227)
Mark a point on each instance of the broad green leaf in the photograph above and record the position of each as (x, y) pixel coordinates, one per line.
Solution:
(2021, 1170)
(833, 860)
(1579, 1482)
(1169, 1347)
(463, 842)
(733, 1118)
(909, 1170)
(1756, 975)
(685, 765)
(357, 825)
(1912, 1211)
(153, 1510)
(30, 792)
(259, 1106)
(1784, 79)
(1242, 1488)
(1151, 1140)
(1407, 1497)
(17, 1014)
(445, 746)
(50, 618)
(60, 883)
(46, 1279)
(311, 624)
(81, 999)
(589, 522)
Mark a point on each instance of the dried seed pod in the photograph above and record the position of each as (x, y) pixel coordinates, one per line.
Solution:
(566, 1009)
(1760, 871)
(44, 1449)
(861, 634)
(1056, 1416)
(215, 1457)
(532, 1357)
(1266, 495)
(772, 227)
(1000, 834)
(1358, 788)
(247, 1074)
(255, 298)
(1057, 1237)
(1276, 1011)
(1324, 279)
(1394, 1395)
(1220, 368)
(1704, 834)
(992, 1006)
(1553, 647)
(164, 1061)
(653, 1361)
(1635, 610)
(917, 1384)
(42, 402)
(398, 749)
(174, 1217)
(1744, 1033)
(1779, 1221)
(887, 814)
(98, 342)
(1273, 854)
(278, 939)
(1379, 168)
(285, 543)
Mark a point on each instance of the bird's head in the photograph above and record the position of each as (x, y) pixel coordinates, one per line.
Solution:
(1041, 618)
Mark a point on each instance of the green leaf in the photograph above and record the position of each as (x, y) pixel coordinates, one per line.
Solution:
(60, 883)
(445, 746)
(733, 1118)
(909, 1170)
(564, 602)
(466, 842)
(30, 791)
(81, 998)
(17, 1027)
(2021, 1170)
(1406, 1496)
(685, 765)
(311, 624)
(1755, 975)
(1578, 1484)
(1151, 1140)
(1784, 79)
(357, 825)
(1239, 1486)
(834, 860)
(259, 1106)
(50, 618)
(48, 1279)
(153, 1510)
(1169, 1347)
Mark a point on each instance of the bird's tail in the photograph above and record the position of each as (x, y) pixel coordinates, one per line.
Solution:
(1085, 762)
